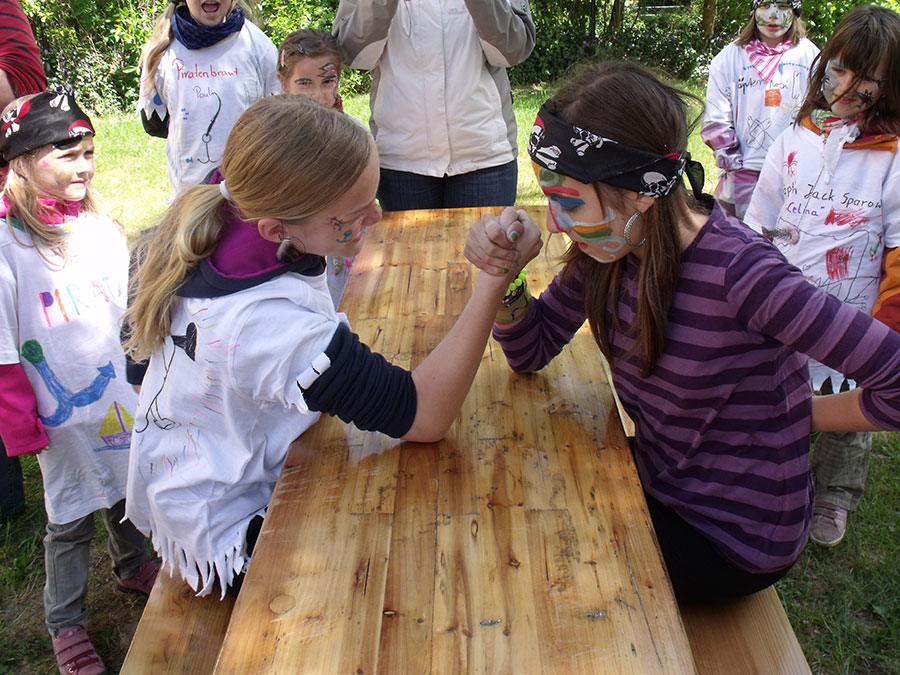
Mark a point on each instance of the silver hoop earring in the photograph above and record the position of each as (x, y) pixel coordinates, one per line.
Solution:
(287, 253)
(626, 235)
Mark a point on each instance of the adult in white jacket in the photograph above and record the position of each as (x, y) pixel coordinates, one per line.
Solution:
(441, 104)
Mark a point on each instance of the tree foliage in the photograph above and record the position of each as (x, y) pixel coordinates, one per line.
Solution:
(93, 46)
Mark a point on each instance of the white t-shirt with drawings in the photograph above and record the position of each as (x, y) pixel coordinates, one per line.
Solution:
(835, 228)
(204, 91)
(219, 406)
(62, 325)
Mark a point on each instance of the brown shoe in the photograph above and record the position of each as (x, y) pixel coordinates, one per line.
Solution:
(829, 524)
(75, 654)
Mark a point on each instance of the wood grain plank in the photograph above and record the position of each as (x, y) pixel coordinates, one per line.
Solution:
(518, 544)
(178, 632)
(747, 636)
(405, 641)
(483, 622)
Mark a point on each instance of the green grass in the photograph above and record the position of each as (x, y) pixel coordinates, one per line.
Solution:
(130, 171)
(842, 602)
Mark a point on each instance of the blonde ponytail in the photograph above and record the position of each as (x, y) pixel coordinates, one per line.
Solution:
(167, 255)
(287, 157)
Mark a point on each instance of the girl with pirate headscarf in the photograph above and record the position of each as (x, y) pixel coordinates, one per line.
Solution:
(829, 198)
(705, 326)
(204, 65)
(63, 394)
(756, 85)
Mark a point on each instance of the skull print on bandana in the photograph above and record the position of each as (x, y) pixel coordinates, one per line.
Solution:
(590, 158)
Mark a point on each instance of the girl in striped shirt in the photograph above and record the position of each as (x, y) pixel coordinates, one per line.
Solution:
(705, 327)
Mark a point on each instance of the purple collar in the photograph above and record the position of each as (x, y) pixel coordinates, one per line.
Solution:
(242, 252)
(243, 259)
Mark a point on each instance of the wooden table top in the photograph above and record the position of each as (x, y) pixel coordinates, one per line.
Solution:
(518, 544)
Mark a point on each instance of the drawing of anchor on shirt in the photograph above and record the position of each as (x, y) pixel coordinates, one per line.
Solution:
(66, 400)
(207, 137)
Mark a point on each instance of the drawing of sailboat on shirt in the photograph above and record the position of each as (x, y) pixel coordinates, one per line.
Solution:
(116, 429)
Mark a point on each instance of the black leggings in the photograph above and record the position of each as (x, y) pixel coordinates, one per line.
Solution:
(697, 570)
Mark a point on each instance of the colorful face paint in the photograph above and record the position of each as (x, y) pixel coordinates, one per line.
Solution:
(596, 236)
(773, 20)
(339, 228)
(315, 78)
(846, 98)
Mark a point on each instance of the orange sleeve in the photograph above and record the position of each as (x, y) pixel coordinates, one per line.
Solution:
(887, 306)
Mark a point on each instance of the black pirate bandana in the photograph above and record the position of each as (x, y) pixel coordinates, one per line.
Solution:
(583, 155)
(50, 118)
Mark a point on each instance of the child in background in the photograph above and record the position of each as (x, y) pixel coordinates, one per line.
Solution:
(309, 64)
(246, 348)
(702, 322)
(829, 197)
(21, 73)
(63, 276)
(756, 85)
(204, 65)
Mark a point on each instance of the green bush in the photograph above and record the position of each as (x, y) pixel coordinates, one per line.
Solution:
(94, 45)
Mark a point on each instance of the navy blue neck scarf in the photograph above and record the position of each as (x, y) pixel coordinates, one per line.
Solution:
(196, 36)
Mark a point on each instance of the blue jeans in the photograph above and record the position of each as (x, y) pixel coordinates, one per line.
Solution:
(67, 550)
(494, 186)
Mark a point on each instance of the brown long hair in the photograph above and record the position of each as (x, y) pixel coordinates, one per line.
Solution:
(628, 103)
(287, 157)
(867, 40)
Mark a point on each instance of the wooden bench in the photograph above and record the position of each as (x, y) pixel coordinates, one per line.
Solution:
(747, 636)
(178, 632)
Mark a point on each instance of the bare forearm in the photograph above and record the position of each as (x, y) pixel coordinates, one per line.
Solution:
(839, 413)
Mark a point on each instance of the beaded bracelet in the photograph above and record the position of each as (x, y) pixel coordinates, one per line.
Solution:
(516, 301)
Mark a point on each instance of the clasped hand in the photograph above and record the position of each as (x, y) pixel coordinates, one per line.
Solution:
(502, 245)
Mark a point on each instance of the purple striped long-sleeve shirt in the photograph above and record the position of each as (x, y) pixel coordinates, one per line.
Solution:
(722, 424)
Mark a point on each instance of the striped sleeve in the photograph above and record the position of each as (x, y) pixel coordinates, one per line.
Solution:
(774, 299)
(19, 55)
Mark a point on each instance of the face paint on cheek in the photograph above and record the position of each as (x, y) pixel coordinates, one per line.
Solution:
(547, 178)
(767, 17)
(612, 246)
(866, 99)
(64, 177)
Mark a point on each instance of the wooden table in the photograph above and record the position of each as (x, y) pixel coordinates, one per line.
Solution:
(519, 544)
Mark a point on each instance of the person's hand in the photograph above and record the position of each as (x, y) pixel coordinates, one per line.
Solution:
(499, 244)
